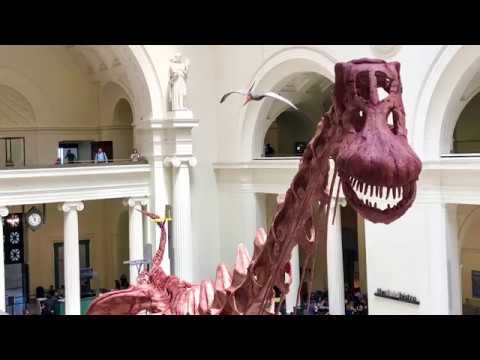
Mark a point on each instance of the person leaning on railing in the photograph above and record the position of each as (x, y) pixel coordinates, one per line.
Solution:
(135, 156)
(100, 156)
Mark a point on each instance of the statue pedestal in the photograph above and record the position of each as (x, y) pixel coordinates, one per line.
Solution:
(180, 115)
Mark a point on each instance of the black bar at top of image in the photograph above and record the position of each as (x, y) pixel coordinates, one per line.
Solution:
(245, 23)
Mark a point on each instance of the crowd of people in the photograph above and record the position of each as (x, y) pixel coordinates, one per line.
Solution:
(355, 303)
(48, 299)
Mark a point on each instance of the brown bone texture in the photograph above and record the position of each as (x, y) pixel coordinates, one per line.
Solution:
(365, 135)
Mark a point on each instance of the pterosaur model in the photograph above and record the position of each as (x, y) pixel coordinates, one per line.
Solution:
(249, 96)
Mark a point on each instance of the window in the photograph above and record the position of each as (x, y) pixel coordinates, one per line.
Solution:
(476, 284)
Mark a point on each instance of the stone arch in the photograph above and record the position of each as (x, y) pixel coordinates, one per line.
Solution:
(39, 103)
(276, 70)
(147, 100)
(442, 99)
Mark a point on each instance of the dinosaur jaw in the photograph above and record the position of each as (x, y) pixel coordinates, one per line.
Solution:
(378, 203)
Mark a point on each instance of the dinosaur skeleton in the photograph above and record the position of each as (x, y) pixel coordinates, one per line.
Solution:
(366, 138)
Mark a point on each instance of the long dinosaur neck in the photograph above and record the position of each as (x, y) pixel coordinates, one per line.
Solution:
(292, 223)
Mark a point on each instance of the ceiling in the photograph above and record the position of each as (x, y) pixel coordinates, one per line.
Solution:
(309, 91)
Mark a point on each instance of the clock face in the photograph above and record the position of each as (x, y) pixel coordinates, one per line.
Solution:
(34, 219)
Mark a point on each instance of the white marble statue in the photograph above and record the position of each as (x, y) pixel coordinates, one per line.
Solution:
(178, 82)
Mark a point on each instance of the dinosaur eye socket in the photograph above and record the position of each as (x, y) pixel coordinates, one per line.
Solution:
(362, 85)
(383, 85)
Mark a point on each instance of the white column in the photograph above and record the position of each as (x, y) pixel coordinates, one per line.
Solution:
(182, 218)
(71, 257)
(135, 229)
(336, 285)
(291, 298)
(161, 182)
(439, 238)
(3, 213)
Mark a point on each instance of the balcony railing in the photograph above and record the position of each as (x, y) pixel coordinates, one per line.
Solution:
(74, 182)
(80, 163)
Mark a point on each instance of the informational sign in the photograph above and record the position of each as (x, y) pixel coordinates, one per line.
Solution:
(396, 295)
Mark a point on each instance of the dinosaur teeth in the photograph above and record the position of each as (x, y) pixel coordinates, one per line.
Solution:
(376, 196)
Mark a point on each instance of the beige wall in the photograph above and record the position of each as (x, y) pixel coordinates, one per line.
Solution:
(47, 98)
(103, 222)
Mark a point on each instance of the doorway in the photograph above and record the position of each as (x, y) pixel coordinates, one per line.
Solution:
(84, 247)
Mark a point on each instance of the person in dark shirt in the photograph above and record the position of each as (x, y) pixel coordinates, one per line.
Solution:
(124, 282)
(269, 150)
(70, 157)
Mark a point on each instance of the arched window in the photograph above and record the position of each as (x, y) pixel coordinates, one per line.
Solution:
(122, 114)
(466, 136)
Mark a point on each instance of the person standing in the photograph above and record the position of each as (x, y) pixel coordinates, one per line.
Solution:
(70, 156)
(135, 156)
(100, 156)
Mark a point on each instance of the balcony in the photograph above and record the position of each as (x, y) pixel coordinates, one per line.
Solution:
(78, 181)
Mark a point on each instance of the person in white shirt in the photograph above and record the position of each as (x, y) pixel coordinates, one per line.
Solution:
(135, 156)
(100, 156)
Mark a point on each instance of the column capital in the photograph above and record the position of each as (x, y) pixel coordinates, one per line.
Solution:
(132, 202)
(179, 161)
(341, 201)
(3, 211)
(69, 206)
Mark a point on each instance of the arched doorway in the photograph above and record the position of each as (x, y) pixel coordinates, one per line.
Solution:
(289, 66)
(466, 136)
(451, 83)
(291, 130)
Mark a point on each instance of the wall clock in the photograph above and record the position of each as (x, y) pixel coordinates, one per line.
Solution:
(34, 218)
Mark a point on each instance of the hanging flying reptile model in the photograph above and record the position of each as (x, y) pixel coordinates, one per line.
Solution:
(377, 171)
(249, 96)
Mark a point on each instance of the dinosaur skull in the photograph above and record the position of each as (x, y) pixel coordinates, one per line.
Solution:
(377, 167)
